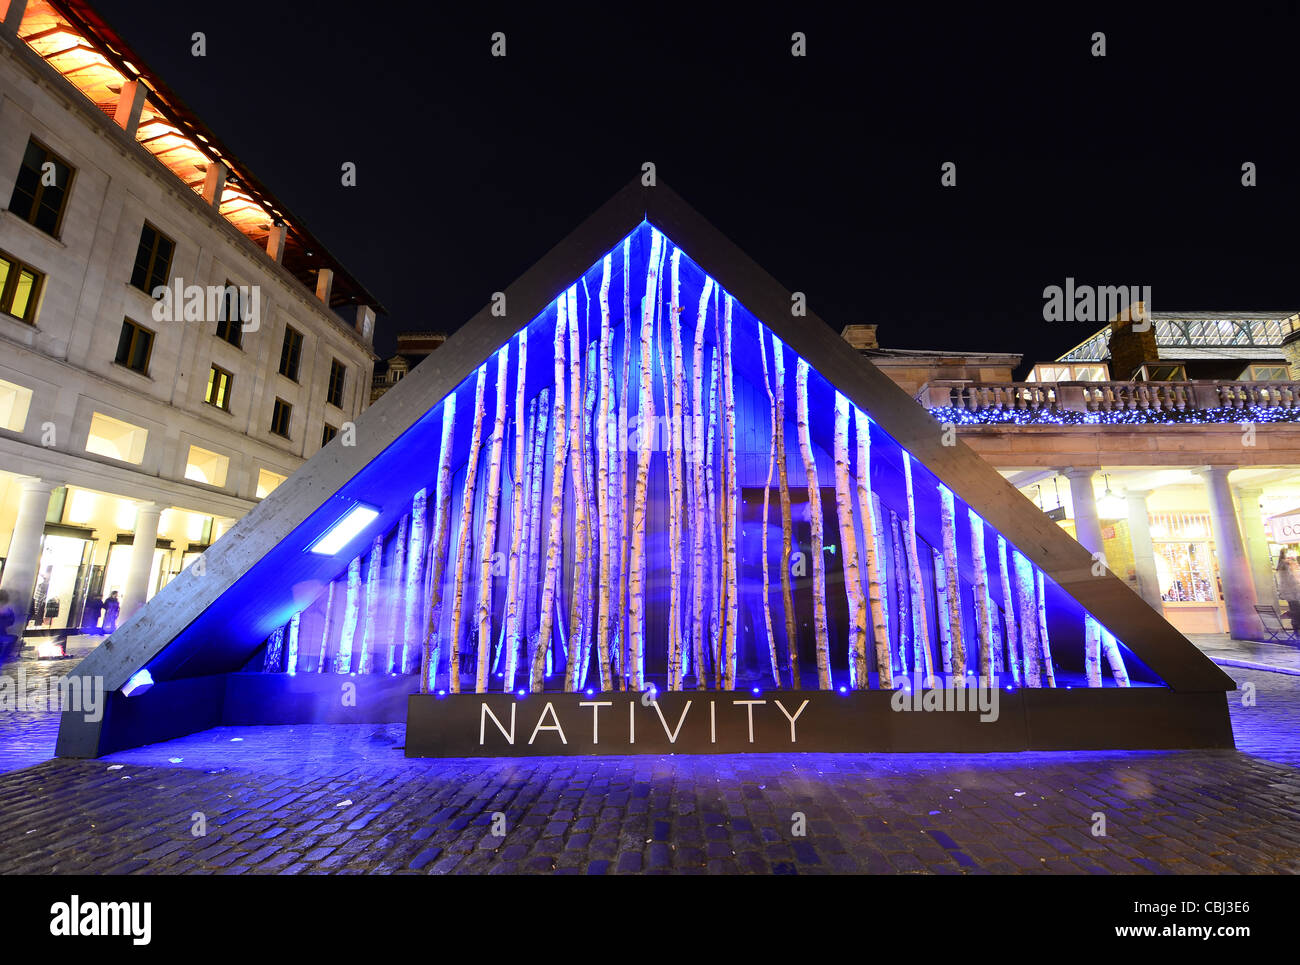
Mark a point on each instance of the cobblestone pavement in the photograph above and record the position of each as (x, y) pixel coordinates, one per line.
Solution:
(343, 799)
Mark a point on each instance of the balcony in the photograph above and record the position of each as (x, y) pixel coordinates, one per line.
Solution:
(1093, 403)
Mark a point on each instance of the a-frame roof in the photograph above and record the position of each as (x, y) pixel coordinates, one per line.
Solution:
(255, 577)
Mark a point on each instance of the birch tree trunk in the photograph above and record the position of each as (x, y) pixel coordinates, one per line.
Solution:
(396, 597)
(783, 481)
(1114, 657)
(941, 605)
(902, 593)
(952, 575)
(645, 428)
(1043, 643)
(1092, 650)
(676, 501)
(714, 592)
(373, 589)
(1008, 614)
(580, 521)
(873, 560)
(325, 634)
(489, 531)
(1028, 618)
(882, 557)
(624, 643)
(537, 473)
(698, 506)
(274, 651)
(983, 606)
(767, 492)
(411, 635)
(815, 518)
(590, 570)
(513, 609)
(664, 437)
(351, 611)
(733, 507)
(849, 544)
(920, 628)
(291, 661)
(559, 452)
(603, 507)
(466, 521)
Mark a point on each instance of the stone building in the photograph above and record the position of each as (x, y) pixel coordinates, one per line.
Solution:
(1174, 451)
(412, 348)
(173, 341)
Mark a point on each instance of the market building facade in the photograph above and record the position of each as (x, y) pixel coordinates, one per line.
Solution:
(1173, 451)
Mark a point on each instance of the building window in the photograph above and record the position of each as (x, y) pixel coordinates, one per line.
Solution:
(1162, 373)
(328, 433)
(335, 394)
(206, 467)
(116, 439)
(20, 285)
(1268, 373)
(153, 260)
(229, 317)
(134, 347)
(41, 190)
(266, 482)
(280, 416)
(291, 353)
(218, 391)
(15, 400)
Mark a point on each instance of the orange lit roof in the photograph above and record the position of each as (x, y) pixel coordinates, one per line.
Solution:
(74, 40)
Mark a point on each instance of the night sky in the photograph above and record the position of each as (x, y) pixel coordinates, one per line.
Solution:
(1119, 170)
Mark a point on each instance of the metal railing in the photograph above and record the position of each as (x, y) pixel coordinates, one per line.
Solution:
(1153, 397)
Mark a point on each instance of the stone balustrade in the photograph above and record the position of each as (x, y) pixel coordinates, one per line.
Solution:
(1085, 397)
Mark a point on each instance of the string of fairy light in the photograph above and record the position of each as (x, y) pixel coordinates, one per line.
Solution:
(1223, 415)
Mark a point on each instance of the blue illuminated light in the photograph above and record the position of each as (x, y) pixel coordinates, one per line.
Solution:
(344, 531)
(139, 683)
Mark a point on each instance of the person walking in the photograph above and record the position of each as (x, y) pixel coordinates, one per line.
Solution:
(1288, 585)
(111, 606)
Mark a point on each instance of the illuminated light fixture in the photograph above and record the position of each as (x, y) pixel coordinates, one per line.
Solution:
(348, 526)
(1109, 506)
(139, 683)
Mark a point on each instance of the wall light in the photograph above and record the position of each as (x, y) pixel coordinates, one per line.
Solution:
(342, 532)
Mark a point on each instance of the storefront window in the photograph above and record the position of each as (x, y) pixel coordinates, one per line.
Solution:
(1184, 558)
(60, 582)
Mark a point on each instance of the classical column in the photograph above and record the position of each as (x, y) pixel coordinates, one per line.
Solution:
(143, 544)
(1144, 551)
(23, 557)
(1253, 535)
(1234, 567)
(1087, 525)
